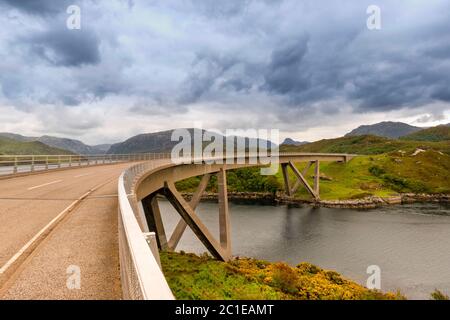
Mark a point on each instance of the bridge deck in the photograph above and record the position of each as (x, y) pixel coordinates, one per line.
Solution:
(81, 207)
(86, 237)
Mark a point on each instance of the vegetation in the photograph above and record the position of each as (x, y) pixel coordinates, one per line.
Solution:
(196, 278)
(385, 167)
(439, 133)
(9, 147)
(367, 145)
(240, 180)
(438, 295)
(384, 175)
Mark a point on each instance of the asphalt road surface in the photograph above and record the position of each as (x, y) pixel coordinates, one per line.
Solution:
(79, 257)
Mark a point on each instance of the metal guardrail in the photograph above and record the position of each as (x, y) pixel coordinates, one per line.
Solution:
(14, 164)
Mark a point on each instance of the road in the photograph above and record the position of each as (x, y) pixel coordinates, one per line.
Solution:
(84, 238)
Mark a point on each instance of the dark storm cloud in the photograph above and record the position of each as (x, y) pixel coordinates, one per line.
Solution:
(64, 47)
(38, 7)
(285, 74)
(206, 71)
(169, 55)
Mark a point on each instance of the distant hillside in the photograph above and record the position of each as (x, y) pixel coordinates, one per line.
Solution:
(101, 148)
(291, 142)
(439, 133)
(366, 145)
(386, 129)
(9, 147)
(72, 145)
(155, 142)
(75, 146)
(145, 143)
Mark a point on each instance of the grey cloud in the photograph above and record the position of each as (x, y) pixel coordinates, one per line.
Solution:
(284, 73)
(39, 7)
(205, 72)
(63, 47)
(266, 57)
(217, 9)
(431, 117)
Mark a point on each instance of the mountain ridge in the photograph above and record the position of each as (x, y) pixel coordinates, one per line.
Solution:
(161, 142)
(72, 145)
(388, 129)
(292, 142)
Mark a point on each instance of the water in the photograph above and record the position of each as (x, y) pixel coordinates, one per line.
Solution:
(410, 243)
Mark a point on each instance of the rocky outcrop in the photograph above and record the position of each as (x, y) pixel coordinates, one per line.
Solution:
(363, 203)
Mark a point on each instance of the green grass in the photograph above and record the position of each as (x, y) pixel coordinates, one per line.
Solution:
(383, 175)
(198, 278)
(13, 147)
(439, 133)
(367, 145)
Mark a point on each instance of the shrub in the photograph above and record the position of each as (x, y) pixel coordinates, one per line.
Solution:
(306, 267)
(285, 278)
(376, 171)
(438, 295)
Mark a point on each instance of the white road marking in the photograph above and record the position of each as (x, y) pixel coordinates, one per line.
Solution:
(82, 175)
(44, 185)
(42, 231)
(48, 228)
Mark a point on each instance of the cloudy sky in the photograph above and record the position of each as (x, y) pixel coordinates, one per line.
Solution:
(309, 68)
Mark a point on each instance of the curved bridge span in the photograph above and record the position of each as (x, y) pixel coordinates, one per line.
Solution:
(58, 228)
(141, 229)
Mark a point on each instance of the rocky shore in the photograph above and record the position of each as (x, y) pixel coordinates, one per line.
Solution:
(363, 203)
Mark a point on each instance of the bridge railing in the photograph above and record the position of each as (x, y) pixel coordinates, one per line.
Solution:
(15, 164)
(141, 276)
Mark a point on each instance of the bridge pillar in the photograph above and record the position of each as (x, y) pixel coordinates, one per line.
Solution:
(154, 220)
(181, 226)
(194, 222)
(287, 186)
(301, 180)
(316, 178)
(224, 214)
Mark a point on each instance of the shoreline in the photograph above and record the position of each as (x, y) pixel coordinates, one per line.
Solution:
(363, 203)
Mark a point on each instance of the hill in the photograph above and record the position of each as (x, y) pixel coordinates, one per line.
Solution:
(145, 143)
(439, 133)
(366, 144)
(386, 129)
(291, 142)
(387, 167)
(9, 146)
(159, 142)
(71, 145)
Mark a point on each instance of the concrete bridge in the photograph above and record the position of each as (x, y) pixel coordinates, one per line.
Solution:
(61, 236)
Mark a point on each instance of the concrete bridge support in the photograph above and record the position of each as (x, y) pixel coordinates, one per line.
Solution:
(219, 249)
(301, 180)
(181, 226)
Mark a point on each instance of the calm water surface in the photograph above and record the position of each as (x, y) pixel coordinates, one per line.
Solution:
(410, 243)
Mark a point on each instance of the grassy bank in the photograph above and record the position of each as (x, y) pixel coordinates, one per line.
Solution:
(193, 277)
(383, 175)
